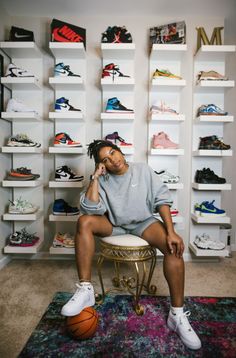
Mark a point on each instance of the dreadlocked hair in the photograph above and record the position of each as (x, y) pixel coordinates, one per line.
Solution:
(96, 145)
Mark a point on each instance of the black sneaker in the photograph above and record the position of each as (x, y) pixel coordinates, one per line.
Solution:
(213, 143)
(64, 173)
(116, 34)
(207, 176)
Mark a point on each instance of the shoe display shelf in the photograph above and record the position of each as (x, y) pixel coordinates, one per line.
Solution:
(169, 91)
(121, 55)
(209, 57)
(71, 122)
(62, 250)
(28, 56)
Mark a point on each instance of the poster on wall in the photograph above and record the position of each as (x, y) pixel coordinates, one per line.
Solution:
(174, 33)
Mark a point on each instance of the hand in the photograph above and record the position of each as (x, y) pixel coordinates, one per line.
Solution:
(174, 239)
(99, 170)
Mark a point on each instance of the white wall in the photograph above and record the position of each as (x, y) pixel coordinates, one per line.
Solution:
(139, 28)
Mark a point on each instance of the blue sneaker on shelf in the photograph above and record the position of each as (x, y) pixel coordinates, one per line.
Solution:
(63, 70)
(62, 105)
(208, 209)
(114, 105)
(211, 110)
(61, 207)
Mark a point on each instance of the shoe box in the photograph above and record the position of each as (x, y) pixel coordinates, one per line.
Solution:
(20, 34)
(174, 33)
(64, 32)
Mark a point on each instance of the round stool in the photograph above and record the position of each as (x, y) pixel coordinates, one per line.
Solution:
(128, 248)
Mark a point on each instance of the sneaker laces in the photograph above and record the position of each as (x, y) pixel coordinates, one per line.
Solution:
(183, 320)
(77, 292)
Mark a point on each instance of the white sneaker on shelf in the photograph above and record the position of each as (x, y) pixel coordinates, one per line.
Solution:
(180, 324)
(20, 206)
(167, 177)
(15, 105)
(14, 71)
(206, 242)
(83, 297)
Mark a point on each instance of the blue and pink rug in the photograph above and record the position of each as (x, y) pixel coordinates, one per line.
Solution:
(121, 333)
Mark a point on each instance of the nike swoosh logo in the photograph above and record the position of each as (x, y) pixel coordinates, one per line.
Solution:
(63, 105)
(20, 36)
(64, 175)
(134, 185)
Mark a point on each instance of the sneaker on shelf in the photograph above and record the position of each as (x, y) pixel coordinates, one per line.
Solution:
(114, 106)
(116, 139)
(22, 238)
(82, 298)
(64, 173)
(162, 141)
(165, 74)
(206, 242)
(64, 140)
(20, 206)
(61, 207)
(207, 176)
(210, 75)
(212, 143)
(22, 174)
(22, 140)
(112, 71)
(179, 323)
(62, 105)
(211, 110)
(208, 209)
(63, 70)
(14, 71)
(162, 108)
(15, 105)
(63, 240)
(167, 177)
(116, 34)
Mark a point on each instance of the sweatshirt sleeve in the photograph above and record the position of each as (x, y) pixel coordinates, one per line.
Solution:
(91, 208)
(160, 192)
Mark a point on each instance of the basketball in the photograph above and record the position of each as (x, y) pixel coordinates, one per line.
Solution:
(83, 325)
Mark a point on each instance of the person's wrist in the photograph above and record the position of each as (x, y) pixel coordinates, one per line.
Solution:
(93, 177)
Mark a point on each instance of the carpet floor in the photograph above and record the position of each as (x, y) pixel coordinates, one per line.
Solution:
(121, 333)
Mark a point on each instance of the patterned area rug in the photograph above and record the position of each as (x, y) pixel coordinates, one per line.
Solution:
(121, 333)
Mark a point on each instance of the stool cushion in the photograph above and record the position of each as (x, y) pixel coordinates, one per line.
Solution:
(125, 240)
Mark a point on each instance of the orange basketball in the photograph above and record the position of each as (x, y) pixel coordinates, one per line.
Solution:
(83, 325)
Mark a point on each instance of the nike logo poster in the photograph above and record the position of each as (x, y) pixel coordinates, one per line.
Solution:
(64, 32)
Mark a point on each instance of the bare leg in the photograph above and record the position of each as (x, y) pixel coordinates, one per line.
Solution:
(87, 227)
(173, 266)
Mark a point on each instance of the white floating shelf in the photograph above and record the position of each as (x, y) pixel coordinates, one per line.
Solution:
(119, 116)
(66, 83)
(118, 50)
(74, 115)
(63, 184)
(72, 218)
(215, 83)
(198, 186)
(22, 184)
(213, 153)
(63, 150)
(174, 50)
(21, 49)
(23, 217)
(212, 118)
(22, 116)
(167, 151)
(61, 250)
(210, 220)
(119, 84)
(167, 117)
(126, 150)
(203, 253)
(214, 52)
(19, 83)
(64, 50)
(23, 250)
(176, 219)
(168, 82)
(19, 150)
(174, 186)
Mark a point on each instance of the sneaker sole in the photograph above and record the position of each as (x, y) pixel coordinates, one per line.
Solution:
(171, 327)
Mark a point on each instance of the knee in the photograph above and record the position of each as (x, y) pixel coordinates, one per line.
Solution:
(85, 222)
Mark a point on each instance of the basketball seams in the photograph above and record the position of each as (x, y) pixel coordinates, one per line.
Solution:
(83, 334)
(76, 326)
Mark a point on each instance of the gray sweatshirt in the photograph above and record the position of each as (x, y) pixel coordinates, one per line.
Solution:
(129, 198)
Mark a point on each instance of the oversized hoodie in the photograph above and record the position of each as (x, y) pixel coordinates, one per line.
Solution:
(130, 198)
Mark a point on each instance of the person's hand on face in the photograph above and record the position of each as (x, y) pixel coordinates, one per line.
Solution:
(99, 170)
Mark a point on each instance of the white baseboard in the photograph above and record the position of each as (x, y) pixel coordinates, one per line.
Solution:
(4, 261)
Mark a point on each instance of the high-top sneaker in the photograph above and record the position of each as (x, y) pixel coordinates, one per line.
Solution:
(162, 141)
(14, 71)
(62, 105)
(114, 105)
(63, 70)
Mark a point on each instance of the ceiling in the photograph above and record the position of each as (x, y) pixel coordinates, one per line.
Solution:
(121, 8)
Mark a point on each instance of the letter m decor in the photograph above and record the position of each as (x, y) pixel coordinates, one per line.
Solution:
(202, 36)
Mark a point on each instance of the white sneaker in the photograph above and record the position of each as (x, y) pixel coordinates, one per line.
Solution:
(15, 105)
(206, 242)
(20, 206)
(83, 297)
(180, 324)
(167, 177)
(14, 71)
